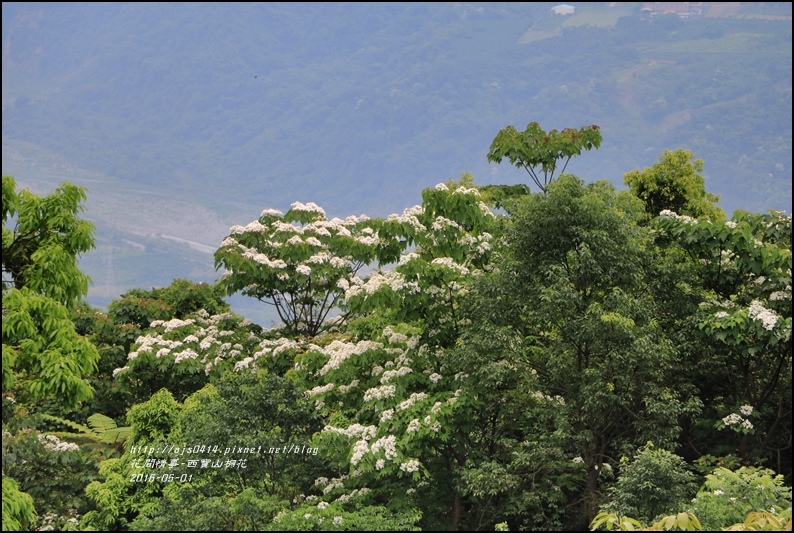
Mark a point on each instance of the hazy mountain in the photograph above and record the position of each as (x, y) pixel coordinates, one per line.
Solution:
(184, 119)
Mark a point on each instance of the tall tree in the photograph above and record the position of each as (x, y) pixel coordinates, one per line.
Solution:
(539, 152)
(43, 356)
(580, 299)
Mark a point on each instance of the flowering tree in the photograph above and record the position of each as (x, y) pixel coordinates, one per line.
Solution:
(438, 247)
(297, 262)
(185, 354)
(745, 267)
(402, 411)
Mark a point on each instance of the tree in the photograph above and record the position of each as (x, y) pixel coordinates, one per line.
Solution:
(45, 360)
(297, 262)
(654, 483)
(537, 151)
(40, 251)
(43, 356)
(398, 404)
(728, 496)
(18, 511)
(674, 184)
(744, 268)
(577, 292)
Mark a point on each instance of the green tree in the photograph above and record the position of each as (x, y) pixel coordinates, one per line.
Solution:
(41, 248)
(743, 267)
(656, 482)
(577, 290)
(539, 152)
(53, 472)
(43, 356)
(45, 360)
(242, 410)
(727, 496)
(674, 184)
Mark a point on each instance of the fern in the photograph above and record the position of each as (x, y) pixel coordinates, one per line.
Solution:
(102, 430)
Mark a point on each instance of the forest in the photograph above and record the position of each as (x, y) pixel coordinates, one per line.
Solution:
(553, 355)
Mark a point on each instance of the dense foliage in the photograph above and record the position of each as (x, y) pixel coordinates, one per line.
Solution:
(488, 359)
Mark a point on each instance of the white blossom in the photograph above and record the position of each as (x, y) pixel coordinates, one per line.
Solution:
(766, 316)
(53, 443)
(410, 466)
(388, 445)
(311, 207)
(732, 419)
(360, 448)
(380, 393)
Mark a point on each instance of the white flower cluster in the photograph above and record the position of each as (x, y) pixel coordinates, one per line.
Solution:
(380, 393)
(450, 263)
(263, 259)
(338, 352)
(271, 213)
(781, 295)
(409, 217)
(407, 258)
(335, 483)
(735, 419)
(415, 397)
(54, 444)
(320, 389)
(390, 374)
(683, 218)
(759, 313)
(390, 278)
(410, 466)
(442, 223)
(187, 353)
(311, 207)
(355, 492)
(414, 426)
(434, 426)
(345, 388)
(388, 445)
(360, 449)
